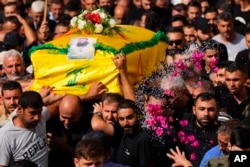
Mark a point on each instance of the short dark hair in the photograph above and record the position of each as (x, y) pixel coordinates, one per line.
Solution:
(10, 4)
(209, 44)
(173, 52)
(226, 16)
(211, 10)
(89, 148)
(12, 19)
(194, 3)
(240, 137)
(101, 137)
(30, 99)
(224, 64)
(179, 7)
(72, 6)
(152, 21)
(225, 7)
(175, 30)
(235, 67)
(23, 163)
(112, 97)
(181, 18)
(205, 96)
(11, 85)
(189, 25)
(126, 103)
(57, 2)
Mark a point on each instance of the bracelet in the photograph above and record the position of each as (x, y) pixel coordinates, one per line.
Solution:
(98, 113)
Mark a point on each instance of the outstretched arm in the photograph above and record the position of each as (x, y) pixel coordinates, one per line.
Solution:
(121, 65)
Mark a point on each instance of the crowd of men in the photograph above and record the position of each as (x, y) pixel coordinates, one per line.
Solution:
(198, 98)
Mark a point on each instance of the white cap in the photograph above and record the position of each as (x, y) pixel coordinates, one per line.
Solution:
(38, 6)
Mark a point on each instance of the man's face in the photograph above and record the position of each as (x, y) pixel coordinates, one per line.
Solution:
(10, 26)
(91, 162)
(10, 10)
(60, 29)
(193, 13)
(105, 2)
(203, 35)
(210, 55)
(13, 67)
(109, 111)
(10, 99)
(189, 34)
(205, 112)
(30, 116)
(147, 4)
(120, 15)
(247, 37)
(69, 119)
(225, 28)
(211, 17)
(137, 3)
(127, 119)
(57, 10)
(204, 6)
(220, 79)
(152, 101)
(89, 4)
(176, 39)
(37, 17)
(235, 81)
(223, 140)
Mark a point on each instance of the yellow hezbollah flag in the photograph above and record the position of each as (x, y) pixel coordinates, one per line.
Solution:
(143, 49)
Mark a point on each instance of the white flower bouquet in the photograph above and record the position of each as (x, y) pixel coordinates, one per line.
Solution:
(95, 22)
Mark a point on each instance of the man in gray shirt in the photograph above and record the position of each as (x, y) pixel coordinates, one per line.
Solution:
(24, 137)
(233, 41)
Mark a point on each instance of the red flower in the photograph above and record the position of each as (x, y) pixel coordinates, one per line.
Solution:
(94, 17)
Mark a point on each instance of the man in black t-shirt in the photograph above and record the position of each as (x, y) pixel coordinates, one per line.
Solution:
(198, 133)
(239, 94)
(134, 148)
(66, 130)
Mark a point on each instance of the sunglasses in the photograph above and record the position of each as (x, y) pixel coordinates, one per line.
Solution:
(176, 42)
